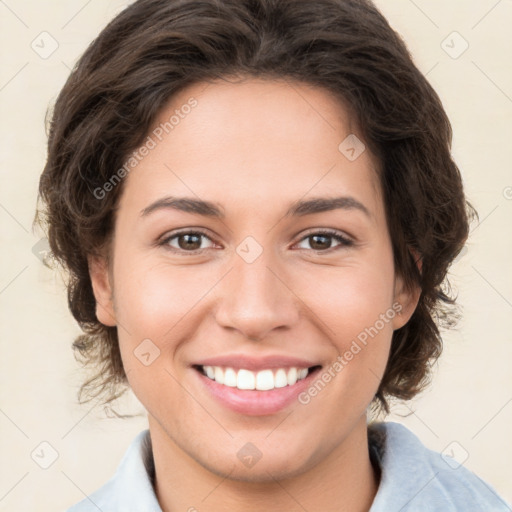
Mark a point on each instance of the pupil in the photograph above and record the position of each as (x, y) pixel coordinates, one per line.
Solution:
(314, 245)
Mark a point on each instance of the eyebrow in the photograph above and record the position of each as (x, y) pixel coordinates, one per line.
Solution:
(297, 209)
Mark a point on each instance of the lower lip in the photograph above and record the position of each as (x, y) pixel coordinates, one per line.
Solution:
(253, 402)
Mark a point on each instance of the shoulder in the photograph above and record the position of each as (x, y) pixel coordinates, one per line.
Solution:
(98, 500)
(414, 477)
(131, 488)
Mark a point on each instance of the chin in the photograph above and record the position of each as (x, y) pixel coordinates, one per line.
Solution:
(264, 471)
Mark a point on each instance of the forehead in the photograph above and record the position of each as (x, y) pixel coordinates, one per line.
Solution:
(253, 142)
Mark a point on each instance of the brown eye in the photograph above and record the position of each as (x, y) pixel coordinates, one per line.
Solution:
(320, 242)
(323, 241)
(189, 241)
(186, 241)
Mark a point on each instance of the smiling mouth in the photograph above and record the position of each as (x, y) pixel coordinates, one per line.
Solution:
(263, 380)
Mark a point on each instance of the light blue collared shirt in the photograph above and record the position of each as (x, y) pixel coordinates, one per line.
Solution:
(413, 478)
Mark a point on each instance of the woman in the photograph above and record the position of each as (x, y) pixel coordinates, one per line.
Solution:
(257, 207)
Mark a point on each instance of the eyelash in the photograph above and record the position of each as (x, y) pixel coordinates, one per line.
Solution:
(344, 241)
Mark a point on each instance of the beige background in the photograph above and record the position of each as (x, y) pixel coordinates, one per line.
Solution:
(470, 401)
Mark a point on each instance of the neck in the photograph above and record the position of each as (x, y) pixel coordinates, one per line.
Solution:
(344, 480)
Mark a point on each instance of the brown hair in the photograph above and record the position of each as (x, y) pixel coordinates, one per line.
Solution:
(155, 48)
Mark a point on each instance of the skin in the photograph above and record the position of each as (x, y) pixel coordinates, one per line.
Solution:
(254, 147)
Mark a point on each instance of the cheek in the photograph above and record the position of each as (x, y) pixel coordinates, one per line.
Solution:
(153, 299)
(348, 299)
(154, 306)
(354, 308)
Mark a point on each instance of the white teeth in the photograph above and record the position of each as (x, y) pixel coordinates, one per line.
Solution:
(292, 376)
(230, 378)
(219, 374)
(280, 379)
(210, 371)
(245, 380)
(261, 381)
(265, 380)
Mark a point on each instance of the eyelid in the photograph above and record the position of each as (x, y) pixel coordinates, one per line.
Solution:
(327, 231)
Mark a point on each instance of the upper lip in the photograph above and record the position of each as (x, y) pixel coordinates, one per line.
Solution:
(256, 363)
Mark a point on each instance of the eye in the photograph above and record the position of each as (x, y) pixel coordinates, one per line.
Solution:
(322, 240)
(191, 241)
(185, 241)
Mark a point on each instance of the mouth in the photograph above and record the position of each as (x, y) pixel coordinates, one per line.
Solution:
(262, 380)
(254, 392)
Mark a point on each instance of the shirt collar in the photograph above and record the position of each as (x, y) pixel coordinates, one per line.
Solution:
(131, 488)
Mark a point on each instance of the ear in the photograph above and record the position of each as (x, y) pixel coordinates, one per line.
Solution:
(102, 289)
(407, 299)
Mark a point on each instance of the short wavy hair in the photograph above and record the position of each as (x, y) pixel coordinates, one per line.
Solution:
(155, 48)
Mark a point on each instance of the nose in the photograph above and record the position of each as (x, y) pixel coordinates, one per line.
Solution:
(257, 298)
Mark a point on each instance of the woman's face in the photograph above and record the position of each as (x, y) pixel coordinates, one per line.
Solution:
(264, 278)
